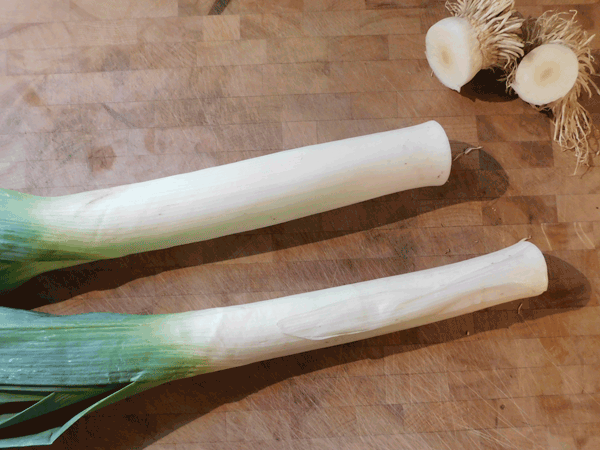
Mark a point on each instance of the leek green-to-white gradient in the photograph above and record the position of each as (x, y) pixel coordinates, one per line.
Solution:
(61, 360)
(38, 234)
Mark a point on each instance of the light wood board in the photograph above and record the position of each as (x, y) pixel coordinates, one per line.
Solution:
(97, 94)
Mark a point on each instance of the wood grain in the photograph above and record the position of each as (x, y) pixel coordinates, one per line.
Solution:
(95, 94)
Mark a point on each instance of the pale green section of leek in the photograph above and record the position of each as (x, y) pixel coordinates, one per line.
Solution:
(59, 361)
(27, 247)
(22, 235)
(90, 349)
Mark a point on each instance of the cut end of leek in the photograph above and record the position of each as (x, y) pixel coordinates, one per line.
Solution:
(453, 52)
(546, 74)
(481, 35)
(557, 69)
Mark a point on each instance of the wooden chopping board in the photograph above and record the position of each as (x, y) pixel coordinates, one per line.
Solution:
(97, 94)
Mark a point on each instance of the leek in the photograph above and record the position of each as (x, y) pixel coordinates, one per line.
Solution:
(58, 361)
(481, 34)
(38, 234)
(556, 70)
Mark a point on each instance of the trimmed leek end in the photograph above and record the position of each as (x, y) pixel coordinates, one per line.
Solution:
(453, 52)
(557, 69)
(481, 35)
(546, 74)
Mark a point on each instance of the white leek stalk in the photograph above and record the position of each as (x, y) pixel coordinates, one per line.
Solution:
(38, 234)
(557, 68)
(482, 34)
(60, 360)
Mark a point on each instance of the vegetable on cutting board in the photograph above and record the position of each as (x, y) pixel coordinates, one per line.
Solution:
(38, 234)
(482, 34)
(58, 361)
(557, 68)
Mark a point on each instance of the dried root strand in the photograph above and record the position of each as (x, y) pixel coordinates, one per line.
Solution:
(573, 125)
(496, 24)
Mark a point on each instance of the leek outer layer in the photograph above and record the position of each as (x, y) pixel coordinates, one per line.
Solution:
(38, 234)
(113, 356)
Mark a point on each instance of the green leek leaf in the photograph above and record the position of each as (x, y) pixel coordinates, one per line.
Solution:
(60, 361)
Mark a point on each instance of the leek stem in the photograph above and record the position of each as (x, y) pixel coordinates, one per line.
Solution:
(117, 355)
(38, 234)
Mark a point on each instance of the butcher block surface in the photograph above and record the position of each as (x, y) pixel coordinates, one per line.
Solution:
(97, 94)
